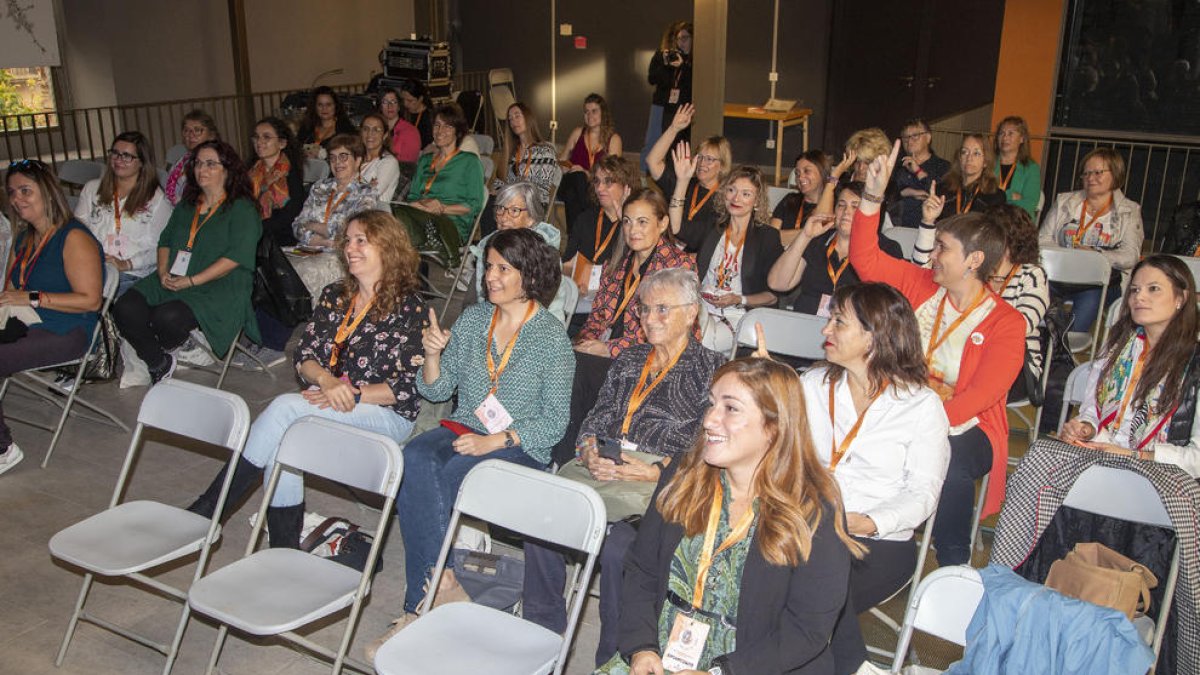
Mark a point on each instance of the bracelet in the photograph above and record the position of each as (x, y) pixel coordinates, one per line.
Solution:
(677, 203)
(868, 197)
(192, 282)
(832, 179)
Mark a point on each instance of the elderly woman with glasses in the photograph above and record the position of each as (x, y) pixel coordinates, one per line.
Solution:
(197, 127)
(125, 208)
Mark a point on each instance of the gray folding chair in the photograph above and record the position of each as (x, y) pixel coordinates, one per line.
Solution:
(922, 553)
(1193, 265)
(906, 237)
(788, 333)
(1084, 267)
(130, 538)
(74, 173)
(36, 382)
(173, 155)
(277, 590)
(1074, 391)
(942, 605)
(315, 170)
(532, 503)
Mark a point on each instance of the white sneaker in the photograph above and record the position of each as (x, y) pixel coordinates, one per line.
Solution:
(10, 457)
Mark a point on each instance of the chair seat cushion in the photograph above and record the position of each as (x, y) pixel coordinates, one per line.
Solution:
(464, 637)
(130, 537)
(274, 591)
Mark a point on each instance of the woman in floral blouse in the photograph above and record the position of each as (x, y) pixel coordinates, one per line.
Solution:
(358, 359)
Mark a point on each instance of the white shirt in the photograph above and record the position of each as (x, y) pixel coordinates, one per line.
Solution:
(383, 175)
(139, 231)
(894, 468)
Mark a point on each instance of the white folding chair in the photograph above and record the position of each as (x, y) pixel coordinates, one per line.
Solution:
(315, 170)
(532, 503)
(277, 590)
(1074, 391)
(906, 237)
(1139, 502)
(1037, 215)
(788, 333)
(775, 194)
(258, 366)
(43, 386)
(502, 93)
(1193, 265)
(922, 553)
(943, 605)
(174, 154)
(1079, 266)
(75, 172)
(133, 537)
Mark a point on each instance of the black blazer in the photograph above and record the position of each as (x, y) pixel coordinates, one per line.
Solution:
(786, 615)
(762, 248)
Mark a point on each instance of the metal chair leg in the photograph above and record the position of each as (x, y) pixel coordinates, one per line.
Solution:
(83, 592)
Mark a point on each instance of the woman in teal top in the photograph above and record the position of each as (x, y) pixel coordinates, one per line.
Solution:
(205, 266)
(56, 267)
(1019, 176)
(447, 191)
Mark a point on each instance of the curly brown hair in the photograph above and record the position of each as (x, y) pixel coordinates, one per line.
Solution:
(400, 262)
(1019, 232)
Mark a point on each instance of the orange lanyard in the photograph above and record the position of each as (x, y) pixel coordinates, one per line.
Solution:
(346, 329)
(436, 167)
(834, 276)
(838, 450)
(117, 209)
(494, 371)
(197, 223)
(600, 248)
(934, 340)
(331, 205)
(695, 208)
(800, 213)
(1008, 178)
(417, 122)
(643, 388)
(1085, 224)
(958, 207)
(1012, 271)
(29, 256)
(632, 280)
(739, 532)
(730, 262)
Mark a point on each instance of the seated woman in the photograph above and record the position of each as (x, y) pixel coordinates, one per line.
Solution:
(882, 431)
(402, 137)
(864, 146)
(125, 209)
(767, 598)
(711, 162)
(56, 267)
(1020, 177)
(206, 258)
(418, 109)
(447, 191)
(594, 140)
(812, 175)
(380, 169)
(735, 258)
(1141, 395)
(822, 268)
(510, 362)
(526, 158)
(324, 117)
(277, 178)
(653, 422)
(974, 346)
(919, 168)
(593, 236)
(970, 186)
(198, 127)
(357, 361)
(1100, 218)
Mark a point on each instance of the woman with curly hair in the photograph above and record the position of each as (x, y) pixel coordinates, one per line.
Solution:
(585, 146)
(357, 361)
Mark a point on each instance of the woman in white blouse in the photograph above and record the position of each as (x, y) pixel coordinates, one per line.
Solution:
(380, 169)
(126, 209)
(883, 433)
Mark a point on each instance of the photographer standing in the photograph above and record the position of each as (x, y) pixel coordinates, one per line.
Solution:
(671, 75)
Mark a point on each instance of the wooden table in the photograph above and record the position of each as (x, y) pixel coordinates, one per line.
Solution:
(785, 119)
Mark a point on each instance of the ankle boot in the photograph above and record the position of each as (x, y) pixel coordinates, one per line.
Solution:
(245, 476)
(284, 524)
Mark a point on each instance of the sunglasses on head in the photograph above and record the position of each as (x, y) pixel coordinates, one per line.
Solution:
(27, 164)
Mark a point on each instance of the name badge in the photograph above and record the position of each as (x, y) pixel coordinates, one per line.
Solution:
(823, 309)
(117, 245)
(594, 277)
(628, 445)
(180, 267)
(685, 645)
(492, 415)
(674, 97)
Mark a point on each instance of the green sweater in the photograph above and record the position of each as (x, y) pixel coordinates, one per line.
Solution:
(459, 182)
(535, 387)
(1027, 182)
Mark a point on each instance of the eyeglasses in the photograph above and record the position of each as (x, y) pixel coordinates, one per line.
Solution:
(265, 139)
(338, 157)
(194, 131)
(661, 311)
(603, 180)
(512, 211)
(706, 159)
(122, 157)
(913, 137)
(438, 124)
(1094, 172)
(208, 164)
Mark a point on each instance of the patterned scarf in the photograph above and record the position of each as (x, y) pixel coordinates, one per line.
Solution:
(174, 193)
(1113, 389)
(270, 185)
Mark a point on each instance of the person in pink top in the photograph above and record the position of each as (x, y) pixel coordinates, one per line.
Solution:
(405, 139)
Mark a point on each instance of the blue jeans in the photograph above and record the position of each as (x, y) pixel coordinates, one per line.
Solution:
(267, 432)
(126, 281)
(653, 132)
(433, 472)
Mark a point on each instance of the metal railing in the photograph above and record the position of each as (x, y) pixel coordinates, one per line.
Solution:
(1161, 172)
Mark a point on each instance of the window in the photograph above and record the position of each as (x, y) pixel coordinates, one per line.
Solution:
(26, 98)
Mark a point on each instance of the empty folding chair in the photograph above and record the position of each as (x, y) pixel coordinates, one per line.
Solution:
(943, 605)
(922, 553)
(788, 333)
(75, 172)
(131, 538)
(277, 590)
(532, 503)
(1083, 267)
(502, 93)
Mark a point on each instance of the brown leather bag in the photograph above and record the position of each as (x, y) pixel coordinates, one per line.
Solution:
(1095, 573)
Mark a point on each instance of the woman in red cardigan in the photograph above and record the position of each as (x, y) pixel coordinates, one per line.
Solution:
(974, 347)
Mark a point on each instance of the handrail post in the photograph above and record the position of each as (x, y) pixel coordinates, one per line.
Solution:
(241, 67)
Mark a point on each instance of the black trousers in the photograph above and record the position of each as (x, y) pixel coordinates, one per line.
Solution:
(153, 330)
(886, 567)
(590, 371)
(970, 460)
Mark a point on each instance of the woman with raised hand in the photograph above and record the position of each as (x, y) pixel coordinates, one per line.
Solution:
(974, 345)
(741, 563)
(585, 146)
(125, 209)
(379, 169)
(694, 178)
(324, 117)
(812, 176)
(1019, 176)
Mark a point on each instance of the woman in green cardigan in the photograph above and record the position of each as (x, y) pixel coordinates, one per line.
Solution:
(1020, 177)
(205, 266)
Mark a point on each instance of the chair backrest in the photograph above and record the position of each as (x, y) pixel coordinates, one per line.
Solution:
(112, 281)
(1193, 265)
(216, 417)
(906, 237)
(775, 194)
(1075, 389)
(789, 333)
(79, 171)
(315, 170)
(1037, 215)
(174, 154)
(163, 175)
(501, 92)
(1139, 502)
(485, 143)
(1075, 266)
(943, 605)
(534, 503)
(364, 459)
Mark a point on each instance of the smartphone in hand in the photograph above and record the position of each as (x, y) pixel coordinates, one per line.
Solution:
(609, 448)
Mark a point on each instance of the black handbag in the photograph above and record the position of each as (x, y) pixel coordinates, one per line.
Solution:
(278, 289)
(342, 542)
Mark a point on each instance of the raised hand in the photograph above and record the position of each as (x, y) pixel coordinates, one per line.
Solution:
(932, 207)
(879, 172)
(760, 342)
(685, 163)
(434, 338)
(818, 224)
(683, 117)
(845, 165)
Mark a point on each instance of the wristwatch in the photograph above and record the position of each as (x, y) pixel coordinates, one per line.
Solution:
(716, 670)
(508, 439)
(35, 299)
